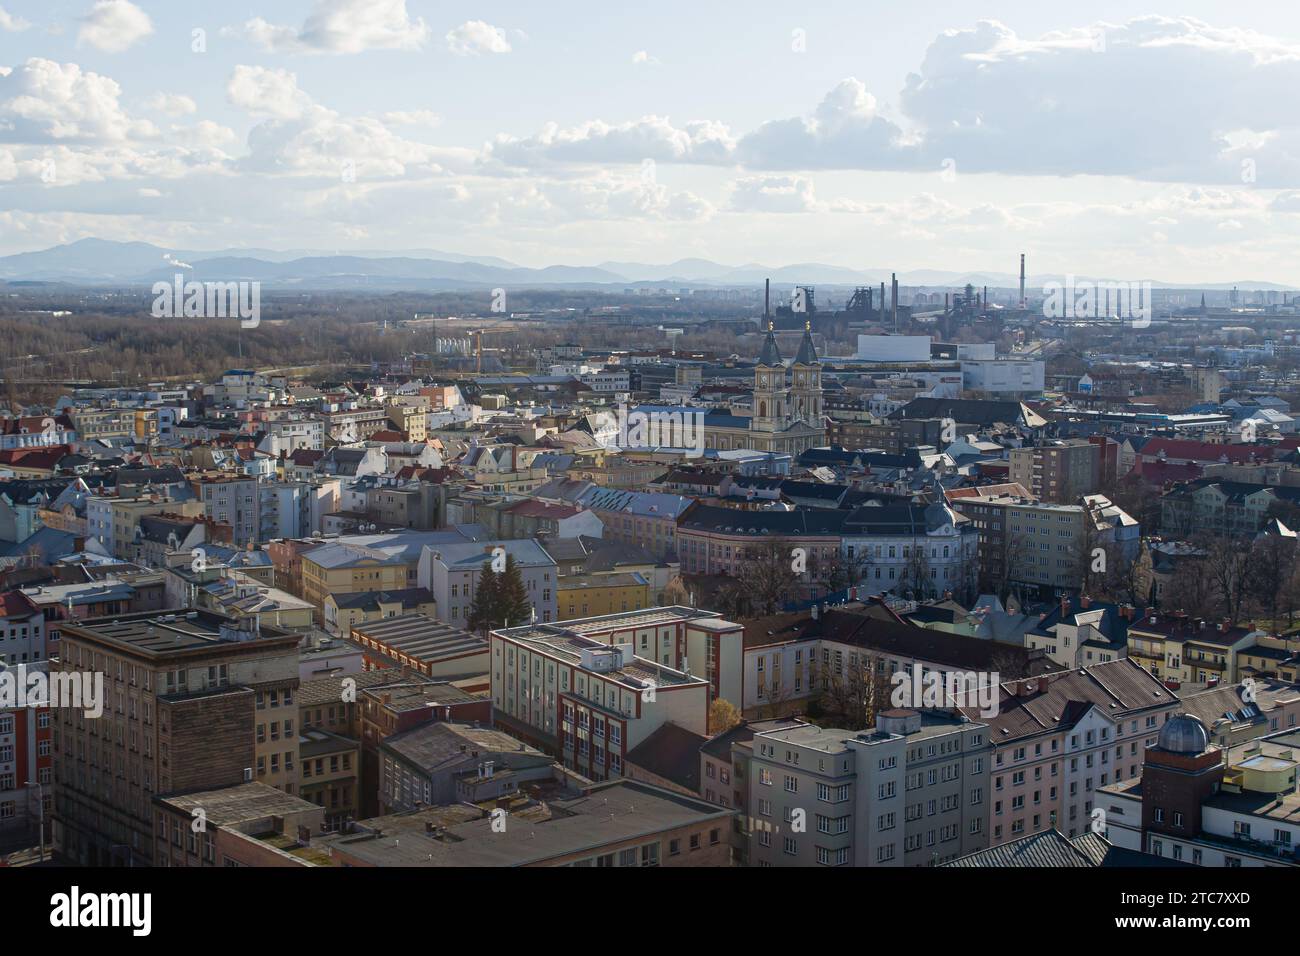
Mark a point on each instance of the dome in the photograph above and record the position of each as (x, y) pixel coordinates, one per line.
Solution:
(1184, 734)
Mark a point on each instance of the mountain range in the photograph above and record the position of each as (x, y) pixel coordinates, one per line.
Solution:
(105, 262)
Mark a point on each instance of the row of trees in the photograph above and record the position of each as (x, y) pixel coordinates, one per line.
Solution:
(1237, 578)
(767, 578)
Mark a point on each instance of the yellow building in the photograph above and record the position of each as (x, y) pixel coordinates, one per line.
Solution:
(348, 569)
(1177, 648)
(410, 415)
(343, 612)
(593, 595)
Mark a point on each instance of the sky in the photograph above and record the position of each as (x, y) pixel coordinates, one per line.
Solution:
(1129, 141)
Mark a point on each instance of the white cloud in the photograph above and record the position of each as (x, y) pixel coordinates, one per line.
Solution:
(267, 92)
(11, 23)
(651, 137)
(641, 57)
(43, 101)
(173, 104)
(114, 25)
(773, 194)
(411, 118)
(474, 36)
(344, 26)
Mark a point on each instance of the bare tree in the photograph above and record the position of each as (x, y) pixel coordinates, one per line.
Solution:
(1227, 560)
(766, 578)
(854, 690)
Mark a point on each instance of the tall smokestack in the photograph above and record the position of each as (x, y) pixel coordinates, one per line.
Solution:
(984, 302)
(893, 280)
(882, 303)
(1022, 280)
(767, 296)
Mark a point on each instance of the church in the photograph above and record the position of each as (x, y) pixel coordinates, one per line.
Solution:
(786, 418)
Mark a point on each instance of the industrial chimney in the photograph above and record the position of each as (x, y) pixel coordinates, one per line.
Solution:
(1022, 281)
(767, 296)
(893, 279)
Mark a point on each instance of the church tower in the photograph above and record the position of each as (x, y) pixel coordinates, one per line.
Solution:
(769, 387)
(806, 384)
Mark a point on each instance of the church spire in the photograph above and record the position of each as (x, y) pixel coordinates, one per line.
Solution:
(770, 356)
(807, 354)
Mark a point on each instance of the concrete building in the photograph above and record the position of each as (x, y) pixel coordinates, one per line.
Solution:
(1061, 737)
(191, 701)
(1058, 473)
(913, 791)
(585, 702)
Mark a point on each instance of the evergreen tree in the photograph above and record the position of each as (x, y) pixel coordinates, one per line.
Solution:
(483, 614)
(512, 596)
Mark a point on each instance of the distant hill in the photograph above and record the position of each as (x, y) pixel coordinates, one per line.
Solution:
(102, 261)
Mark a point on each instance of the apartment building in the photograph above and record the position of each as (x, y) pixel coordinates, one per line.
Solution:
(584, 595)
(451, 572)
(912, 791)
(1059, 738)
(1178, 649)
(234, 501)
(192, 700)
(26, 769)
(1059, 472)
(22, 630)
(330, 775)
(685, 639)
(1044, 546)
(585, 702)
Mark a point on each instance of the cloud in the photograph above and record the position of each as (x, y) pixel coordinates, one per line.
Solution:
(474, 37)
(11, 23)
(844, 131)
(343, 26)
(114, 25)
(262, 91)
(44, 102)
(651, 137)
(173, 104)
(411, 118)
(773, 194)
(642, 57)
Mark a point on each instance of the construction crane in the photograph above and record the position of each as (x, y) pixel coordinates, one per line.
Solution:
(478, 333)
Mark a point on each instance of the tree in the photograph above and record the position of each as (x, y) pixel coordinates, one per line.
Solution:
(513, 596)
(1272, 564)
(854, 692)
(1227, 559)
(766, 579)
(723, 715)
(483, 612)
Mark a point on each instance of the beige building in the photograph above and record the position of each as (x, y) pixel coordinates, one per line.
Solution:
(1060, 472)
(191, 700)
(584, 702)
